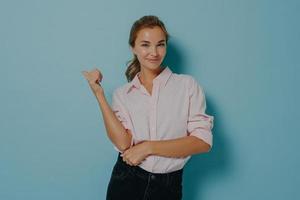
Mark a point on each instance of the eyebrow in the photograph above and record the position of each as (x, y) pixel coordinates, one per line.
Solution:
(145, 41)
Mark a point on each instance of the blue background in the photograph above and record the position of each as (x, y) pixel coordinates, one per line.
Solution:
(53, 142)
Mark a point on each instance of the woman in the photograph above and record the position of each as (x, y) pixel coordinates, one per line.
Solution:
(157, 120)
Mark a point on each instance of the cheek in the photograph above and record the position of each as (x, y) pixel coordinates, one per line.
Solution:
(162, 51)
(143, 53)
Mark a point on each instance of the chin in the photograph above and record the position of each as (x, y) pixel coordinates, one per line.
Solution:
(153, 66)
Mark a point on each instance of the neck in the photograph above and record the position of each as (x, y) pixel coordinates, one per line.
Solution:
(147, 76)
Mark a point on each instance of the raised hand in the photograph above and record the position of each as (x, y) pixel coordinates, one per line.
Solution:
(94, 78)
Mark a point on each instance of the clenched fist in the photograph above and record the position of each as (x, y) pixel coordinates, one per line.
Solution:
(94, 78)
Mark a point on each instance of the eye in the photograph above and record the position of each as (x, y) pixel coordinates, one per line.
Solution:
(145, 45)
(161, 44)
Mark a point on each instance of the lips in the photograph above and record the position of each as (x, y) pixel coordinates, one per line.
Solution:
(153, 60)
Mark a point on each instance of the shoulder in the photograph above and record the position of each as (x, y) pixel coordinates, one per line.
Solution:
(120, 91)
(186, 79)
(191, 84)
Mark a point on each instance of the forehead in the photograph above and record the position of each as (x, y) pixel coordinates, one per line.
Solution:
(151, 34)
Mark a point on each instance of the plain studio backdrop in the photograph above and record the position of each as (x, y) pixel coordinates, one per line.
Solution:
(245, 54)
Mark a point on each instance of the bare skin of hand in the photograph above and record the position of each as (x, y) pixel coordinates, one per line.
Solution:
(94, 77)
(136, 154)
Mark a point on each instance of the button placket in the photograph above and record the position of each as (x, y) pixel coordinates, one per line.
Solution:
(151, 119)
(154, 110)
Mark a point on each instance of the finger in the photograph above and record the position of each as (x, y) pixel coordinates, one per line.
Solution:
(127, 161)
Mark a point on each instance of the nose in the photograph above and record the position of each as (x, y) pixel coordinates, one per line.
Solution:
(154, 51)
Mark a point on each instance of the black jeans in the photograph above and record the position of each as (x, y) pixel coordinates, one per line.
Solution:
(135, 183)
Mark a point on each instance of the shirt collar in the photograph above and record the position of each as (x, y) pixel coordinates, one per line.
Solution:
(161, 78)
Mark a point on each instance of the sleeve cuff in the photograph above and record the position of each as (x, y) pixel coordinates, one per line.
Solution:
(204, 135)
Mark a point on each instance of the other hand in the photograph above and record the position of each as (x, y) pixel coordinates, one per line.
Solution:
(137, 153)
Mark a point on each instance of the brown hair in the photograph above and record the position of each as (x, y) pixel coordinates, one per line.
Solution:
(149, 21)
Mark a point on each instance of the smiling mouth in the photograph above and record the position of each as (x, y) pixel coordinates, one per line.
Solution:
(153, 60)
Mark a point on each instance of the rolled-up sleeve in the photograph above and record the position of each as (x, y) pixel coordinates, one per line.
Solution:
(120, 112)
(199, 123)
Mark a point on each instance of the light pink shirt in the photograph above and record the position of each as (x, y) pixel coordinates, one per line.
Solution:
(175, 109)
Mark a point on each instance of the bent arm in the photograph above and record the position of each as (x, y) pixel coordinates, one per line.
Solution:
(114, 128)
(180, 147)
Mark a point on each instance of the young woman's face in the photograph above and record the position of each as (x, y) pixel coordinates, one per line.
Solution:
(150, 47)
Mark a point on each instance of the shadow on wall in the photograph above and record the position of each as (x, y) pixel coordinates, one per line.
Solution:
(202, 167)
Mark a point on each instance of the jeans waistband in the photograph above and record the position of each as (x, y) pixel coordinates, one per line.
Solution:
(145, 174)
